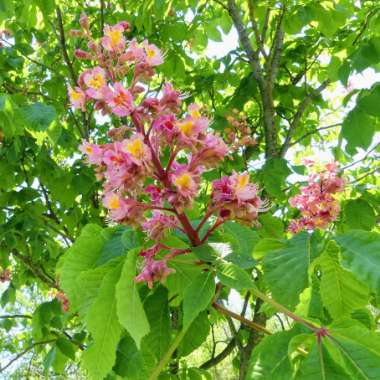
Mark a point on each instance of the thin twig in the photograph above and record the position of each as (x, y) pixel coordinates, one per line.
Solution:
(314, 131)
(25, 352)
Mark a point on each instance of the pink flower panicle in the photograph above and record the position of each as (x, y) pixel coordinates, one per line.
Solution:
(317, 201)
(65, 303)
(152, 168)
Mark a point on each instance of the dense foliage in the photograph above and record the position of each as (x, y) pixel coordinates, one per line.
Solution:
(222, 221)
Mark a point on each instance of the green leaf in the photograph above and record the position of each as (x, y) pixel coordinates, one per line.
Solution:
(271, 227)
(197, 296)
(195, 335)
(270, 359)
(369, 103)
(130, 311)
(273, 175)
(157, 310)
(265, 246)
(130, 361)
(360, 349)
(39, 116)
(358, 130)
(104, 327)
(341, 292)
(66, 347)
(361, 255)
(286, 269)
(319, 364)
(81, 256)
(114, 247)
(243, 241)
(232, 276)
(359, 215)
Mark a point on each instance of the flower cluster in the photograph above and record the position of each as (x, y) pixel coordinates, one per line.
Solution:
(152, 167)
(65, 303)
(238, 133)
(317, 202)
(5, 275)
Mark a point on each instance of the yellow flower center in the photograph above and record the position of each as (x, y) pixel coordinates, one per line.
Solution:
(195, 114)
(136, 148)
(89, 149)
(97, 81)
(114, 202)
(75, 95)
(115, 36)
(183, 181)
(186, 127)
(151, 53)
(242, 181)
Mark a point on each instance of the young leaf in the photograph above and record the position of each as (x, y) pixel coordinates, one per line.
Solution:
(130, 311)
(197, 296)
(104, 327)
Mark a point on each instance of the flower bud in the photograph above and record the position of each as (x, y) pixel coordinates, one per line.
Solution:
(83, 21)
(81, 54)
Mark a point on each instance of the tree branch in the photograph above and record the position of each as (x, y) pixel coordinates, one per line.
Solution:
(314, 131)
(298, 115)
(25, 352)
(252, 17)
(221, 356)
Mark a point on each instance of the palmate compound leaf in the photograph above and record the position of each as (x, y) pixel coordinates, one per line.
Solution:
(105, 329)
(130, 310)
(359, 349)
(341, 292)
(197, 296)
(81, 256)
(286, 269)
(361, 255)
(319, 364)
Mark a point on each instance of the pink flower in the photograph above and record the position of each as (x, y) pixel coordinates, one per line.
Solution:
(119, 100)
(137, 150)
(154, 270)
(153, 55)
(165, 125)
(113, 39)
(95, 80)
(117, 206)
(77, 98)
(237, 198)
(93, 152)
(213, 150)
(185, 181)
(158, 225)
(242, 188)
(171, 98)
(192, 126)
(317, 202)
(135, 52)
(155, 193)
(65, 303)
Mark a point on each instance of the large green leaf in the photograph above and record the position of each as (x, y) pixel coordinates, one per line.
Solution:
(361, 254)
(81, 256)
(130, 310)
(195, 335)
(360, 349)
(341, 292)
(286, 269)
(320, 365)
(197, 296)
(157, 310)
(359, 214)
(104, 327)
(232, 276)
(270, 359)
(243, 240)
(39, 116)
